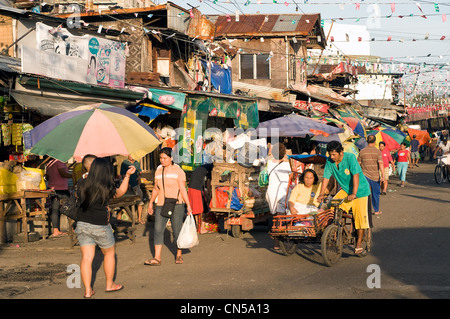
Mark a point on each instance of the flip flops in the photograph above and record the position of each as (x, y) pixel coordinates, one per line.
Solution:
(152, 262)
(117, 287)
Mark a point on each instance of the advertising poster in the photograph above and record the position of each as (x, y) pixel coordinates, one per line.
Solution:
(106, 62)
(102, 62)
(59, 40)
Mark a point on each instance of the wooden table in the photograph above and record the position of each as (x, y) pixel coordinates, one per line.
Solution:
(128, 204)
(37, 210)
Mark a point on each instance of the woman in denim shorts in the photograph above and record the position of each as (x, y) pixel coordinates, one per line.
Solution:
(93, 226)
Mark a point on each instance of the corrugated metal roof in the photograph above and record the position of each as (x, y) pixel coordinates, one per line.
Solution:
(10, 64)
(276, 24)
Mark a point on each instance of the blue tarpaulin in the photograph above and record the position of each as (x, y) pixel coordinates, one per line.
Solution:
(220, 77)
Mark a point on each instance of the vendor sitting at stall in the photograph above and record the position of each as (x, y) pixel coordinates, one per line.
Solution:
(303, 198)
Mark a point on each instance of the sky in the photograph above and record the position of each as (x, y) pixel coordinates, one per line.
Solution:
(404, 23)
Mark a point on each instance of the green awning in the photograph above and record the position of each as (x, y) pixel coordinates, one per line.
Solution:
(167, 98)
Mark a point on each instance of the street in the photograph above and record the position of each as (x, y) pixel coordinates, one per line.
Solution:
(409, 260)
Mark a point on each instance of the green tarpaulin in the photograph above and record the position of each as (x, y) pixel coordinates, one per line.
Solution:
(167, 98)
(194, 122)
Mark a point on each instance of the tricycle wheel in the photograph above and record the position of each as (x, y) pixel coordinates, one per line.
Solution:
(331, 244)
(236, 231)
(288, 247)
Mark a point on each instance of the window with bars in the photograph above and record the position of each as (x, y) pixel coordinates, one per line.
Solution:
(254, 66)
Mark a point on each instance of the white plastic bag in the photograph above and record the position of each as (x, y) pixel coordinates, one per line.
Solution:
(188, 237)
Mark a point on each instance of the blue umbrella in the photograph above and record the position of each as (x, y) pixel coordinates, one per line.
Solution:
(294, 125)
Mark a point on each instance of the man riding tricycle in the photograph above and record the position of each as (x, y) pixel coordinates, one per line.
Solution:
(342, 219)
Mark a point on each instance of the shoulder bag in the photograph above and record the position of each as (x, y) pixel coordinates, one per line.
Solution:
(70, 207)
(169, 203)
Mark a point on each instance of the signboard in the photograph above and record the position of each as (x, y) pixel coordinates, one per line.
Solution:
(100, 61)
(304, 106)
(106, 62)
(53, 65)
(59, 40)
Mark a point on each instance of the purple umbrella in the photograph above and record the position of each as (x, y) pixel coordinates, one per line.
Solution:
(294, 125)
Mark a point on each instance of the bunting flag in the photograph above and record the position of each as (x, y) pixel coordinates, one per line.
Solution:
(418, 6)
(393, 7)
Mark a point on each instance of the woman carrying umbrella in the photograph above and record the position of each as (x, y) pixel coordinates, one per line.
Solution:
(93, 226)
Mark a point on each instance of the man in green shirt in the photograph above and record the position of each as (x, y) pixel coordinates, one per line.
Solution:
(344, 167)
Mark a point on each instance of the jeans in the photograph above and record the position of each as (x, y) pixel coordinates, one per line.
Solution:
(56, 204)
(375, 187)
(402, 168)
(161, 222)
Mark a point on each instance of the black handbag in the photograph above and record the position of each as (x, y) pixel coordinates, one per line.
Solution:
(70, 207)
(169, 203)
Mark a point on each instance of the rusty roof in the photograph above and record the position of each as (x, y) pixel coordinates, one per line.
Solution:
(266, 24)
(124, 11)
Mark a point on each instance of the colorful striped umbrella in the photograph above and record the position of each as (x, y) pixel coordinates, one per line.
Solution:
(98, 129)
(389, 137)
(355, 124)
(397, 135)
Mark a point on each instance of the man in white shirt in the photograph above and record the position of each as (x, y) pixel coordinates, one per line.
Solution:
(444, 146)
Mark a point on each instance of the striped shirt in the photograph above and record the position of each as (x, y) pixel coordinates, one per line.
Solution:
(368, 158)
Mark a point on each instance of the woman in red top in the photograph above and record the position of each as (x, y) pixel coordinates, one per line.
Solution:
(403, 159)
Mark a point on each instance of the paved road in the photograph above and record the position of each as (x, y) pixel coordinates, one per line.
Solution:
(411, 240)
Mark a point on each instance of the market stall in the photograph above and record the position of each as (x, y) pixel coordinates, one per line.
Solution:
(237, 199)
(23, 206)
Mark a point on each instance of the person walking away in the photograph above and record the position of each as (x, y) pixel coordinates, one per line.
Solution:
(135, 184)
(403, 160)
(58, 176)
(170, 182)
(93, 227)
(414, 149)
(371, 161)
(444, 147)
(354, 187)
(199, 191)
(388, 161)
(279, 171)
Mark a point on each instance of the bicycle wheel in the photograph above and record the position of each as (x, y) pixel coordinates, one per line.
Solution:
(331, 244)
(288, 246)
(438, 174)
(445, 173)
